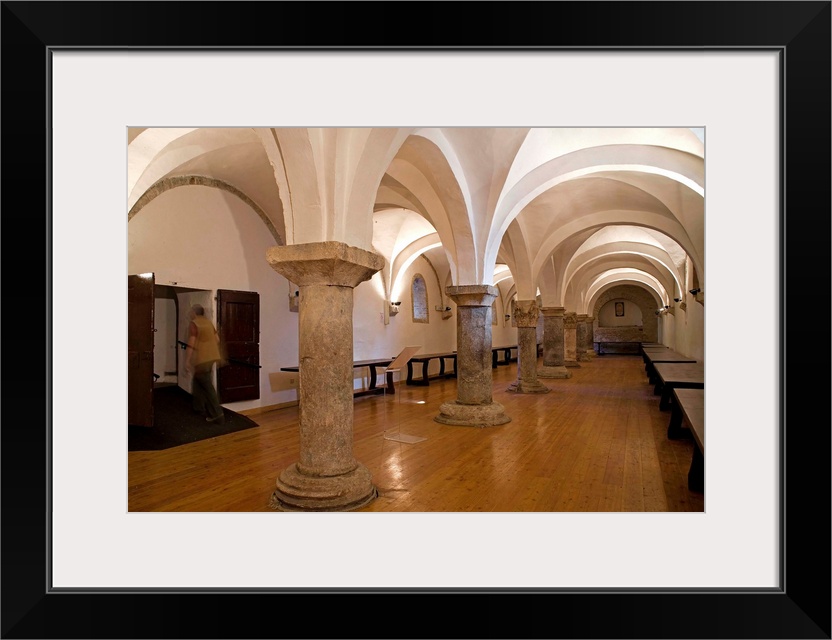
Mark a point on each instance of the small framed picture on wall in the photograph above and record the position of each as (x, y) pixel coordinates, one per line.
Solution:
(619, 309)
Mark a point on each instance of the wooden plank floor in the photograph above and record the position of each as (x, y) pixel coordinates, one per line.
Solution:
(596, 442)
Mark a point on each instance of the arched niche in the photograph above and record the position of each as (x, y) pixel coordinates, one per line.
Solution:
(630, 295)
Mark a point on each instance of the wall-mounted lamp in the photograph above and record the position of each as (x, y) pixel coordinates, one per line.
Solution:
(677, 299)
(508, 316)
(667, 306)
(695, 291)
(394, 308)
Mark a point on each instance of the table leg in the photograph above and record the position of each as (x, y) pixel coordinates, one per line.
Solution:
(674, 427)
(696, 474)
(373, 375)
(664, 403)
(494, 359)
(441, 367)
(409, 372)
(425, 367)
(391, 389)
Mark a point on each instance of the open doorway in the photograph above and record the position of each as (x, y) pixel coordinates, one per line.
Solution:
(172, 304)
(159, 336)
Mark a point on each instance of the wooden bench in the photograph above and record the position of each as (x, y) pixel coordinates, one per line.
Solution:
(689, 410)
(425, 359)
(634, 346)
(677, 375)
(373, 364)
(506, 353)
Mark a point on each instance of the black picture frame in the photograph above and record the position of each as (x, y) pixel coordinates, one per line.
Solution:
(619, 309)
(799, 31)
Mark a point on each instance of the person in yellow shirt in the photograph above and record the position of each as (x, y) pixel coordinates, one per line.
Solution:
(203, 353)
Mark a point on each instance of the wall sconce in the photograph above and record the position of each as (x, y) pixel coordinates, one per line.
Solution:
(677, 299)
(508, 317)
(667, 306)
(695, 291)
(394, 308)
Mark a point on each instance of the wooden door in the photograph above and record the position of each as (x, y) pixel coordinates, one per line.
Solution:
(140, 304)
(238, 323)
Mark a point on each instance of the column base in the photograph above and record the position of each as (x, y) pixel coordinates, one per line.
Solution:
(345, 492)
(553, 372)
(591, 353)
(583, 357)
(472, 415)
(572, 364)
(526, 386)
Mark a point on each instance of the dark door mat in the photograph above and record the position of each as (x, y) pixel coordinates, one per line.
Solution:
(176, 423)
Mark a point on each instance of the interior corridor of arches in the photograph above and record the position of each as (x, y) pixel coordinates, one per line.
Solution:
(315, 251)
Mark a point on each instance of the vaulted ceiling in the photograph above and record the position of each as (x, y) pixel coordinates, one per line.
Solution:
(557, 212)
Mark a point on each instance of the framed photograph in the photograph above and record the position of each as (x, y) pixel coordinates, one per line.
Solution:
(619, 309)
(56, 415)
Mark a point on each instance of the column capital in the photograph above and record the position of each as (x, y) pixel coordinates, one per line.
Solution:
(581, 317)
(553, 312)
(473, 295)
(324, 263)
(590, 318)
(525, 312)
(570, 319)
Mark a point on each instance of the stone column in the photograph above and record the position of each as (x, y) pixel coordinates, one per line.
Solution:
(525, 314)
(570, 330)
(474, 405)
(553, 344)
(580, 338)
(327, 477)
(590, 336)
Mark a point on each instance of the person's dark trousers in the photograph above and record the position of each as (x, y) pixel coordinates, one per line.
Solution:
(205, 397)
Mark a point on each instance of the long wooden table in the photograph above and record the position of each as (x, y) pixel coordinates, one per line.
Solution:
(645, 349)
(689, 409)
(677, 375)
(651, 358)
(424, 359)
(373, 364)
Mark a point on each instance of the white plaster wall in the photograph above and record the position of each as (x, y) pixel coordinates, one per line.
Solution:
(374, 339)
(505, 331)
(669, 332)
(688, 330)
(208, 239)
(690, 324)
